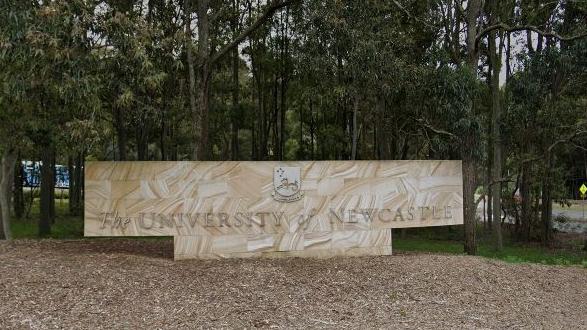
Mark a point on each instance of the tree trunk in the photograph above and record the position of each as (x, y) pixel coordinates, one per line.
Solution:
(163, 133)
(355, 129)
(71, 171)
(263, 127)
(406, 148)
(75, 184)
(6, 179)
(235, 118)
(204, 78)
(261, 142)
(264, 133)
(276, 120)
(191, 71)
(52, 191)
(121, 135)
(539, 44)
(489, 175)
(301, 152)
(469, 212)
(383, 139)
(312, 130)
(18, 195)
(495, 59)
(525, 197)
(515, 209)
(284, 83)
(82, 181)
(376, 150)
(47, 186)
(254, 133)
(142, 137)
(234, 145)
(473, 10)
(254, 149)
(508, 54)
(282, 110)
(546, 207)
(529, 42)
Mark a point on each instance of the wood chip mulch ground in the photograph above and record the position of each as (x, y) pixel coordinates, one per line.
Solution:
(136, 284)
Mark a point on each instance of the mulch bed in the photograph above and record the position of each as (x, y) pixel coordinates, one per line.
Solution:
(122, 283)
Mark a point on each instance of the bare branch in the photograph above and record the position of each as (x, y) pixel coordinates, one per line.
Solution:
(501, 180)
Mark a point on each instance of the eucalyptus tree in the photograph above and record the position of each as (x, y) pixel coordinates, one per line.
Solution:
(547, 95)
(487, 29)
(545, 19)
(355, 59)
(48, 82)
(14, 57)
(200, 68)
(139, 64)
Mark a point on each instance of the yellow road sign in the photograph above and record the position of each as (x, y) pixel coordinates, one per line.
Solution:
(583, 189)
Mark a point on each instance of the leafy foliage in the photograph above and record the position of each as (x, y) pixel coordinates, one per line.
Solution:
(324, 79)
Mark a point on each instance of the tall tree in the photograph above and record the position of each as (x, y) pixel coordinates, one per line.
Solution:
(206, 61)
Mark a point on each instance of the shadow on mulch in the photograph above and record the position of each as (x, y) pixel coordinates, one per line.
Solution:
(159, 248)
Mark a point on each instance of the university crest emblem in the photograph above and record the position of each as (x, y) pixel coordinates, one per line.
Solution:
(287, 184)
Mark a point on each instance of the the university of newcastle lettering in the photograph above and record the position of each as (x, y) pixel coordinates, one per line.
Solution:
(241, 209)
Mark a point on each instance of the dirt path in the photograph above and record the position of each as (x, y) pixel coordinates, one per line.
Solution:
(132, 284)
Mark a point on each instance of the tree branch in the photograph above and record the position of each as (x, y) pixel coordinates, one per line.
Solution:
(481, 197)
(460, 10)
(568, 139)
(580, 147)
(425, 124)
(274, 6)
(402, 8)
(533, 28)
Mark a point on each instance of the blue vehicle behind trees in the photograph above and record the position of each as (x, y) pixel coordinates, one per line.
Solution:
(31, 175)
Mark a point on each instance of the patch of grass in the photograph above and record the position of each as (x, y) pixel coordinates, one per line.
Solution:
(65, 226)
(513, 253)
(534, 254)
(427, 245)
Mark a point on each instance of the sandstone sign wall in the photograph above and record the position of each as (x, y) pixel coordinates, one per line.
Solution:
(300, 208)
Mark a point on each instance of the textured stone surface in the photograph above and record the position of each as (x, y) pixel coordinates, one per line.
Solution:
(225, 209)
(316, 244)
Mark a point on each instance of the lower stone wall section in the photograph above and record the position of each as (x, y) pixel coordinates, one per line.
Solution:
(315, 244)
(352, 252)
